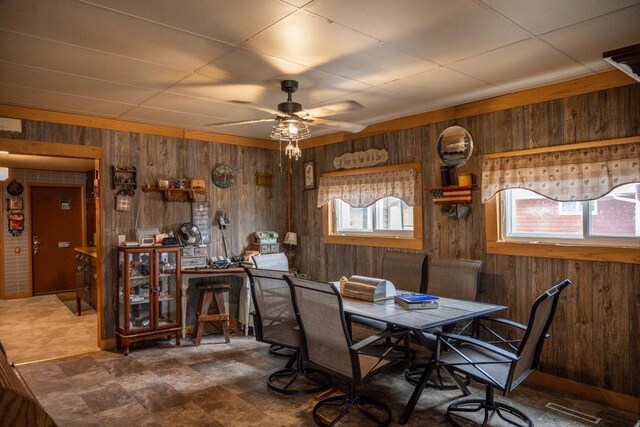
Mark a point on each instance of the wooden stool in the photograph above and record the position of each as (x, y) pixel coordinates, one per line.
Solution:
(212, 292)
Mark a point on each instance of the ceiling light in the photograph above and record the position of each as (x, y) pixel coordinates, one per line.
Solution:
(290, 129)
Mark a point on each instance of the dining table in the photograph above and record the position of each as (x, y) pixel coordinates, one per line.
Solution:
(448, 312)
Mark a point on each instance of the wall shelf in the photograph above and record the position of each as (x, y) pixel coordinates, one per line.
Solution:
(176, 194)
(453, 194)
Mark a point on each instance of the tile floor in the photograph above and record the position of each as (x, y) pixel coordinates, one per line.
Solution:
(42, 327)
(217, 384)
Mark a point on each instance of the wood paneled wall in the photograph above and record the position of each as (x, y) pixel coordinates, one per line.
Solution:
(595, 333)
(250, 207)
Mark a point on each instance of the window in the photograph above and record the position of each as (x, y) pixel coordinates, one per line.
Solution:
(611, 220)
(388, 222)
(388, 216)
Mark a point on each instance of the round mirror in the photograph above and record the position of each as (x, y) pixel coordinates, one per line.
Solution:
(454, 146)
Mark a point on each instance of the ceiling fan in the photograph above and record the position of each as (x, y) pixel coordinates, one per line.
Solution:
(292, 111)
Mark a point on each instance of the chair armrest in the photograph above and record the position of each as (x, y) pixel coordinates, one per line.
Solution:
(484, 345)
(509, 323)
(367, 341)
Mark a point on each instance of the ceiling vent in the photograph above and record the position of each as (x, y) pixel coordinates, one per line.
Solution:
(627, 59)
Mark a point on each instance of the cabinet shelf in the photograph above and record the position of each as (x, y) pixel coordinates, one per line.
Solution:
(453, 194)
(176, 194)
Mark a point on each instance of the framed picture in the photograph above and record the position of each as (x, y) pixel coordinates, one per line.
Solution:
(309, 175)
(15, 203)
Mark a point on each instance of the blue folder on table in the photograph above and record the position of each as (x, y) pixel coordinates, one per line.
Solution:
(415, 301)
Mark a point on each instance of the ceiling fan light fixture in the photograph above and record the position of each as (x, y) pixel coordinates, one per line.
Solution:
(290, 129)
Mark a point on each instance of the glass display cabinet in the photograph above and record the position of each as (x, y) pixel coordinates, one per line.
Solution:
(148, 294)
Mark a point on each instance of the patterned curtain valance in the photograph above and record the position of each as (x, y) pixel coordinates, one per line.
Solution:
(568, 175)
(362, 190)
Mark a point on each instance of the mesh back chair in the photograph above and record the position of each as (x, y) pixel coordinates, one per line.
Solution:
(328, 344)
(272, 262)
(275, 323)
(497, 367)
(279, 262)
(408, 272)
(448, 278)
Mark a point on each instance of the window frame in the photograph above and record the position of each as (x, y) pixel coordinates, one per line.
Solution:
(330, 236)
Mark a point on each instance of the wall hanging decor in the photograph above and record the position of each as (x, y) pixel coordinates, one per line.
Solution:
(124, 180)
(454, 146)
(14, 188)
(361, 159)
(309, 175)
(15, 215)
(223, 176)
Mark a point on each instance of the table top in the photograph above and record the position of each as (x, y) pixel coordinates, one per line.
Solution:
(449, 311)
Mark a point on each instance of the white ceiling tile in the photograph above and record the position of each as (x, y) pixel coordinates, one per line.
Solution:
(245, 67)
(587, 41)
(541, 16)
(436, 85)
(215, 19)
(309, 40)
(16, 75)
(380, 105)
(220, 110)
(194, 121)
(13, 95)
(36, 52)
(441, 31)
(101, 29)
(377, 65)
(521, 65)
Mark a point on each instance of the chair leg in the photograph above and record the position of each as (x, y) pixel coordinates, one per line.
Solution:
(489, 405)
(315, 380)
(205, 301)
(219, 302)
(373, 409)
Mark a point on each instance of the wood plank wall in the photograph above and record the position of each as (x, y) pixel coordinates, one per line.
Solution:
(250, 207)
(595, 334)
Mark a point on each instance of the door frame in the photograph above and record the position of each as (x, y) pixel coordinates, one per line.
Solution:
(83, 219)
(40, 148)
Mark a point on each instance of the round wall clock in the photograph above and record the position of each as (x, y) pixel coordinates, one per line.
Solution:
(222, 176)
(14, 188)
(454, 146)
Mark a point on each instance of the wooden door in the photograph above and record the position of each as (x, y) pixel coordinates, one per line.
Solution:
(56, 228)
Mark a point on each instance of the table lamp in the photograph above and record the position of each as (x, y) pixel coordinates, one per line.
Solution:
(290, 240)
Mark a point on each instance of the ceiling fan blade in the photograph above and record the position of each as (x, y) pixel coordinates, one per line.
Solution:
(257, 107)
(331, 109)
(240, 122)
(345, 126)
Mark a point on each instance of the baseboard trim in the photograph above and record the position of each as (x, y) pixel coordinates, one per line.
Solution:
(596, 394)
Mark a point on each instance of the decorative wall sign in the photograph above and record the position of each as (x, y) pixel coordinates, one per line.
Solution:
(222, 176)
(200, 216)
(309, 175)
(16, 216)
(454, 146)
(361, 159)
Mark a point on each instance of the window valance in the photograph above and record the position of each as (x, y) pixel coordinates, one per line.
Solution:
(362, 189)
(582, 172)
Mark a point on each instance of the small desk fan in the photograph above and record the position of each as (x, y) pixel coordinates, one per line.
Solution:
(189, 234)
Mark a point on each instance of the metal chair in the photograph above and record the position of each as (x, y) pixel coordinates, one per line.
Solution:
(328, 345)
(279, 262)
(448, 278)
(408, 272)
(497, 367)
(276, 324)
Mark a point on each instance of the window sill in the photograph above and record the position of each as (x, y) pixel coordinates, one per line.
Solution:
(381, 242)
(579, 252)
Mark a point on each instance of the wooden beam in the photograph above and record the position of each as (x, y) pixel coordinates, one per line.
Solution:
(39, 148)
(565, 147)
(610, 398)
(128, 126)
(573, 87)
